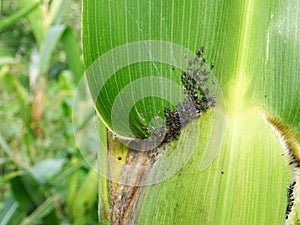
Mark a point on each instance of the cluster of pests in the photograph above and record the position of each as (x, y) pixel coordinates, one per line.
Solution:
(171, 129)
(194, 80)
(197, 100)
(291, 199)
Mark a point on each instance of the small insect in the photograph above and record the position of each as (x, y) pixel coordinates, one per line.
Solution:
(194, 81)
(204, 72)
(123, 198)
(188, 71)
(205, 99)
(195, 95)
(197, 77)
(185, 78)
(204, 107)
(205, 79)
(206, 91)
(200, 51)
(167, 112)
(177, 134)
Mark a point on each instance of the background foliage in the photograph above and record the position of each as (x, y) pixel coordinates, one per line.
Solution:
(43, 177)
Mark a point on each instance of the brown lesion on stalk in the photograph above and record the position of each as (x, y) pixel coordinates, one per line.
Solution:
(123, 197)
(291, 142)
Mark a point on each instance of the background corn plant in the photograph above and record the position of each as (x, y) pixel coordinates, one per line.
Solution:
(254, 47)
(43, 177)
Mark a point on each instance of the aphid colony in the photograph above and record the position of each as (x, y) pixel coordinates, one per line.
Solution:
(291, 199)
(197, 100)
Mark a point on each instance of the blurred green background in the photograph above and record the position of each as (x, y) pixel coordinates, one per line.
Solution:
(43, 177)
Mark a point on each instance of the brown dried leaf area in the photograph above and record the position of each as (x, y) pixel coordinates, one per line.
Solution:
(136, 166)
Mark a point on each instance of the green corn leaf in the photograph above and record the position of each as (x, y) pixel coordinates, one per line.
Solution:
(254, 48)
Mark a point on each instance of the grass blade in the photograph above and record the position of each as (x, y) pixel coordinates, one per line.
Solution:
(52, 38)
(28, 200)
(11, 214)
(45, 209)
(35, 18)
(19, 15)
(57, 8)
(73, 54)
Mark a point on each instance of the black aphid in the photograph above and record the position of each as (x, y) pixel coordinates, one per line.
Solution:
(205, 99)
(200, 51)
(206, 91)
(205, 72)
(167, 112)
(203, 61)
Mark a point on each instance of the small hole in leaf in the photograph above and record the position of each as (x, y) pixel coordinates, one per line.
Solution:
(119, 158)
